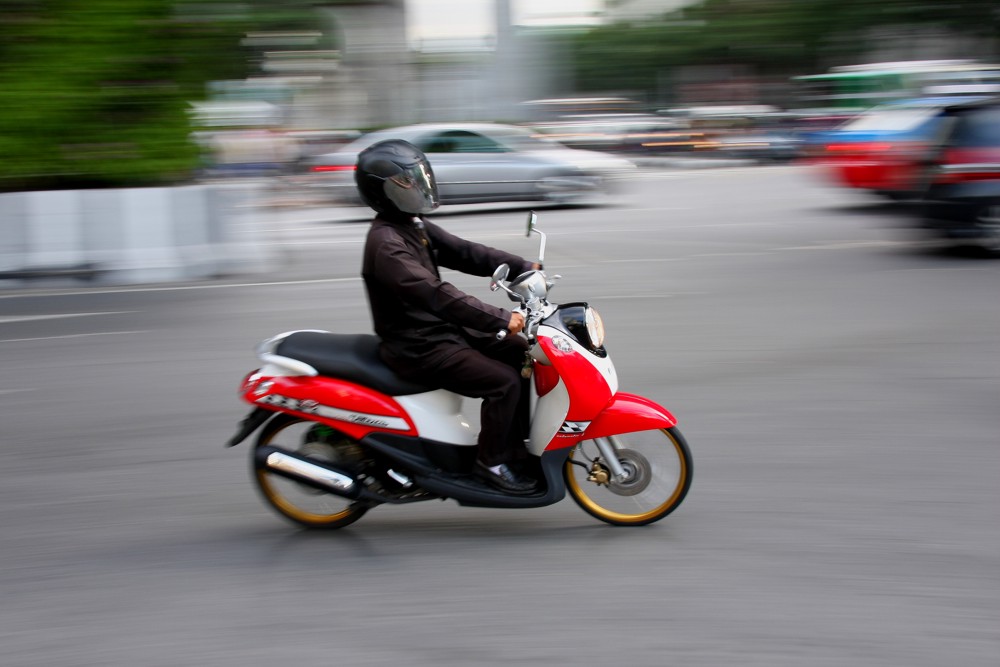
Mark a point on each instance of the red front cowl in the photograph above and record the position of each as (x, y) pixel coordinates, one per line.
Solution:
(629, 413)
(588, 389)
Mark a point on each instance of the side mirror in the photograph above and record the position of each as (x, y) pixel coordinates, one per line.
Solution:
(499, 276)
(532, 219)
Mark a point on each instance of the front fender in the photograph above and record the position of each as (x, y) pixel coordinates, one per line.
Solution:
(628, 413)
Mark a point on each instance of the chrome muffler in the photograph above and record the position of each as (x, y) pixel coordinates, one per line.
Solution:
(314, 473)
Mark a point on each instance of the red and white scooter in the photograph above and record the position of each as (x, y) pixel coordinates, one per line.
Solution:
(342, 433)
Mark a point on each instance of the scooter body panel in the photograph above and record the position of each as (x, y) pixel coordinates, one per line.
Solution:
(591, 380)
(575, 386)
(432, 466)
(350, 408)
(437, 415)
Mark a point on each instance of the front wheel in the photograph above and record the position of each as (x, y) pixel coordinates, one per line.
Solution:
(657, 466)
(302, 503)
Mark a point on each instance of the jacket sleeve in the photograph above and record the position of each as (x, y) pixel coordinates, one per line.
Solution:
(475, 259)
(399, 270)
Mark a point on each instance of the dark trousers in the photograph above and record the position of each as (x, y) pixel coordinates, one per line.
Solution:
(489, 369)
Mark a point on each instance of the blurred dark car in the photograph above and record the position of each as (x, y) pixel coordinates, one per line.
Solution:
(484, 162)
(962, 196)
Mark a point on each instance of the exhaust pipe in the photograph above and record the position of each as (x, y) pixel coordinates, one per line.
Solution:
(315, 474)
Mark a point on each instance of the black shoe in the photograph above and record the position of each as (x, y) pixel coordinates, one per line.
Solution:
(526, 468)
(506, 479)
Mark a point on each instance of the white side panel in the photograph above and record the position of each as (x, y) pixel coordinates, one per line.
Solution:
(607, 370)
(438, 416)
(550, 412)
(536, 351)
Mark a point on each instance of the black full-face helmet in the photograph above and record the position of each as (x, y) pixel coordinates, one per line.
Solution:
(394, 176)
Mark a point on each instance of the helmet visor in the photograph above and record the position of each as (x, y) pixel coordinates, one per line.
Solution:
(413, 190)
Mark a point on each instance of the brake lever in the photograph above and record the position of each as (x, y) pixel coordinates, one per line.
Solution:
(524, 313)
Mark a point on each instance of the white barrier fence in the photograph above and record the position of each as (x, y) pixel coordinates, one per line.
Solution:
(134, 235)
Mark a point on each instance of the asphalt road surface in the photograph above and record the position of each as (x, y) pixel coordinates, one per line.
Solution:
(838, 380)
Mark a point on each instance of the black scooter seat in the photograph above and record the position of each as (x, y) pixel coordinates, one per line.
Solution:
(351, 357)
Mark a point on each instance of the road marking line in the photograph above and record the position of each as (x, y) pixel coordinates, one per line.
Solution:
(177, 288)
(687, 258)
(850, 245)
(631, 296)
(82, 335)
(937, 268)
(32, 318)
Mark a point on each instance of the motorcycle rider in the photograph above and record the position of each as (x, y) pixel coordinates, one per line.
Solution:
(431, 331)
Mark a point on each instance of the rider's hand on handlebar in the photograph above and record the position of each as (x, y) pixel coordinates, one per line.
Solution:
(516, 323)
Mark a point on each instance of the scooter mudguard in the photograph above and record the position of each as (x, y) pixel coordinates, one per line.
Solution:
(628, 413)
(249, 424)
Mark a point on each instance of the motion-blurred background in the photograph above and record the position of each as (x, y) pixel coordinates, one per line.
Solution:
(158, 93)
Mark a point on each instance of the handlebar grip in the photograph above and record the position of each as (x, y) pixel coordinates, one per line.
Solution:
(502, 334)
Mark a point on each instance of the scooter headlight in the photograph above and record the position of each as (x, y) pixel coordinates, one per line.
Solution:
(584, 325)
(595, 327)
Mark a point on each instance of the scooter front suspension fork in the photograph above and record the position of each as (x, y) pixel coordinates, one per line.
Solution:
(607, 447)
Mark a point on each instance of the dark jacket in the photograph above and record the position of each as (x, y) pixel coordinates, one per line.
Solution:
(417, 315)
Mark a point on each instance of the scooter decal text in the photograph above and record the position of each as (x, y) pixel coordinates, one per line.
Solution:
(311, 407)
(370, 421)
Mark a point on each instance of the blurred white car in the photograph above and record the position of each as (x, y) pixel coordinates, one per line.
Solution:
(484, 162)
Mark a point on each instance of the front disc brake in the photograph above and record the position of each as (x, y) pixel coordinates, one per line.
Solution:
(637, 477)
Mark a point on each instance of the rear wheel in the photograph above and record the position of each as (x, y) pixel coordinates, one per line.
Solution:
(657, 466)
(298, 502)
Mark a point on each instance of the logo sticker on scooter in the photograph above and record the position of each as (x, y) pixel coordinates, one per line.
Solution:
(574, 427)
(311, 407)
(370, 421)
(280, 401)
(306, 405)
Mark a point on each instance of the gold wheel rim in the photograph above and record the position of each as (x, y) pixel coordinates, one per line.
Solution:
(292, 510)
(287, 507)
(577, 490)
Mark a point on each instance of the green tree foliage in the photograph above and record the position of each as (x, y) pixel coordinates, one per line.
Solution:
(96, 92)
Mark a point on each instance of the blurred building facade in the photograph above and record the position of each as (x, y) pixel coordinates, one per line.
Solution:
(381, 79)
(374, 81)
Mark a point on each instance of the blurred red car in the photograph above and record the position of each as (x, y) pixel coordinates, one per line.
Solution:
(883, 150)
